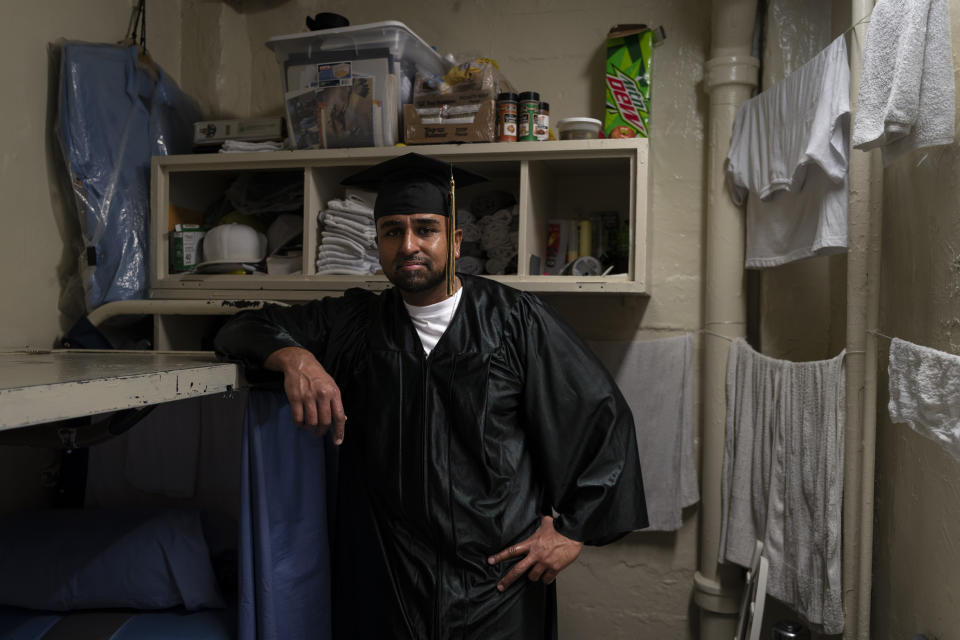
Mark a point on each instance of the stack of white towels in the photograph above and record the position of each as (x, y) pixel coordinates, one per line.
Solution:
(348, 237)
(497, 236)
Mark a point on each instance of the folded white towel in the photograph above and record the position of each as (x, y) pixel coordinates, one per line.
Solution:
(334, 238)
(241, 146)
(906, 88)
(925, 392)
(341, 214)
(350, 228)
(656, 379)
(351, 205)
(783, 477)
(346, 267)
(362, 197)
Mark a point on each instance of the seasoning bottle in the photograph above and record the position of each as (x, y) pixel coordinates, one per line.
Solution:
(542, 126)
(529, 108)
(507, 117)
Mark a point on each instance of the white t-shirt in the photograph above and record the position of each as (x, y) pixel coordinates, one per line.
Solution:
(432, 320)
(788, 159)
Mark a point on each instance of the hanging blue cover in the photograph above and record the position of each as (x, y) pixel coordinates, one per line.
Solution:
(114, 114)
(284, 544)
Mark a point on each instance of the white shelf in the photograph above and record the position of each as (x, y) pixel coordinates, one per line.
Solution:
(39, 387)
(560, 179)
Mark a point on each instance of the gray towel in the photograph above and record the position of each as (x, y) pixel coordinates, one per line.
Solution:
(656, 378)
(906, 89)
(783, 477)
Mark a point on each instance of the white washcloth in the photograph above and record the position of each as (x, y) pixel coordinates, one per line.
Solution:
(906, 97)
(346, 267)
(788, 161)
(925, 392)
(361, 234)
(783, 477)
(351, 205)
(360, 218)
(362, 197)
(330, 238)
(656, 378)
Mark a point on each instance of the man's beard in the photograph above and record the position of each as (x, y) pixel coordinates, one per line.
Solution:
(417, 281)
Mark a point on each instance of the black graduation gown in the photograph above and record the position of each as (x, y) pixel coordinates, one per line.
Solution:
(509, 418)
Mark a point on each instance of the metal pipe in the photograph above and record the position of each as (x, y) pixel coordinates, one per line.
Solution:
(863, 265)
(731, 76)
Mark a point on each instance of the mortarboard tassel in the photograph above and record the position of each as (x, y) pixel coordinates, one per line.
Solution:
(451, 231)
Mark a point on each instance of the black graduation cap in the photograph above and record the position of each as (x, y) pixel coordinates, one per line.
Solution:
(414, 183)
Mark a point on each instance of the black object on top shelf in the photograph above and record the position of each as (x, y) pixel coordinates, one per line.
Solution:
(326, 21)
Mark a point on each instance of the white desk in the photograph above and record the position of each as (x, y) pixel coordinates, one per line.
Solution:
(38, 387)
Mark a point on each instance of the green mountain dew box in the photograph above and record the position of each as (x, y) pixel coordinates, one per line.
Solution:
(629, 53)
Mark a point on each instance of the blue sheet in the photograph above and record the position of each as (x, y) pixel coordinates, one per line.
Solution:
(113, 116)
(284, 568)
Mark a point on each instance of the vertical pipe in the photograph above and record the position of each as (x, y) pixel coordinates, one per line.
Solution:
(731, 75)
(863, 263)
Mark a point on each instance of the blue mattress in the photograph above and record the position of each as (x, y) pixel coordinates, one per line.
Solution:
(211, 624)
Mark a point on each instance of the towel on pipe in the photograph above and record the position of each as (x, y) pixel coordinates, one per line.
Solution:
(925, 392)
(906, 99)
(783, 477)
(656, 378)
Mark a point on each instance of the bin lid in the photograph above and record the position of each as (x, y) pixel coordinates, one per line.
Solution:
(392, 35)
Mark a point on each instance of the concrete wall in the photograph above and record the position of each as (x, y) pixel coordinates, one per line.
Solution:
(640, 587)
(37, 218)
(916, 586)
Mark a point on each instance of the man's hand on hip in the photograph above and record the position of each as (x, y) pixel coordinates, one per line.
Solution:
(314, 396)
(547, 554)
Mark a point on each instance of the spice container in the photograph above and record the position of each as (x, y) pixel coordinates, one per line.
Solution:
(529, 108)
(507, 117)
(579, 128)
(541, 129)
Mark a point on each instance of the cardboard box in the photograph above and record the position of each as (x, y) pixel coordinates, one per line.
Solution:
(482, 129)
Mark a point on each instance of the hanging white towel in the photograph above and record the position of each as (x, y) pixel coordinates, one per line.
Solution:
(656, 379)
(925, 392)
(906, 99)
(788, 161)
(783, 477)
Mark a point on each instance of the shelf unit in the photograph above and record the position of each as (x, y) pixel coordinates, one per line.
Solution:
(559, 179)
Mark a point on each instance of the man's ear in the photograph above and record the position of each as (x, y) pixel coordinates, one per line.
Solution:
(457, 240)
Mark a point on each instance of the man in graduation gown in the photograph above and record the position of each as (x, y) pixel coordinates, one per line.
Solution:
(493, 443)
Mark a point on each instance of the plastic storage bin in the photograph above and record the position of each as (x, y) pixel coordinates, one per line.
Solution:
(387, 52)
